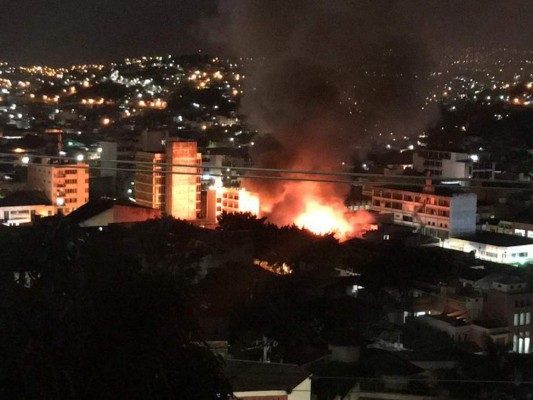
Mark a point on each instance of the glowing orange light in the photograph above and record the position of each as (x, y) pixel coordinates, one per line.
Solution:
(321, 220)
(248, 202)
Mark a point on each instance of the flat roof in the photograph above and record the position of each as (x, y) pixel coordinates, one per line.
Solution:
(25, 198)
(255, 376)
(496, 239)
(437, 191)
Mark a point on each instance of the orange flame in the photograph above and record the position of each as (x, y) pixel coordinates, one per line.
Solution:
(321, 219)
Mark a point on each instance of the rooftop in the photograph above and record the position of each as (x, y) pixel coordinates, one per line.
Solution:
(95, 207)
(436, 190)
(25, 198)
(497, 239)
(246, 376)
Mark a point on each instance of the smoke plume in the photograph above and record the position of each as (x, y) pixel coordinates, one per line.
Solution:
(328, 76)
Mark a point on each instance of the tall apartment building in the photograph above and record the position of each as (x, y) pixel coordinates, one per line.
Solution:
(183, 183)
(150, 182)
(434, 211)
(174, 189)
(65, 184)
(451, 164)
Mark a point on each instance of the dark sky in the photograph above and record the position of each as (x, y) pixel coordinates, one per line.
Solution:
(69, 31)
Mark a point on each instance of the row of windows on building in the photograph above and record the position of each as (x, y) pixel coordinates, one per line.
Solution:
(432, 163)
(434, 201)
(523, 233)
(408, 218)
(522, 303)
(423, 210)
(439, 155)
(488, 254)
(521, 342)
(521, 319)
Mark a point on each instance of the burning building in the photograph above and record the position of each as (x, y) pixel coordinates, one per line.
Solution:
(318, 97)
(230, 200)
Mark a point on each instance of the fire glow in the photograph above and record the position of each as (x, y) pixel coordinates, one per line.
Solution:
(316, 207)
(321, 220)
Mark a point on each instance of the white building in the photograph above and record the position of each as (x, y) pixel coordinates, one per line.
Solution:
(65, 184)
(434, 211)
(451, 164)
(495, 247)
(24, 207)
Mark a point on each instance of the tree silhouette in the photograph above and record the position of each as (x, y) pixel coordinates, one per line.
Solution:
(100, 322)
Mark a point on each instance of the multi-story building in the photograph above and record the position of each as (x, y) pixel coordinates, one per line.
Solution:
(497, 306)
(524, 229)
(451, 164)
(434, 211)
(64, 183)
(174, 186)
(150, 181)
(183, 180)
(229, 200)
(509, 305)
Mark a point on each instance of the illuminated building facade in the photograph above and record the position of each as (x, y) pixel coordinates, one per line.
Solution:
(495, 247)
(438, 212)
(450, 164)
(183, 183)
(24, 207)
(65, 184)
(175, 189)
(230, 200)
(150, 180)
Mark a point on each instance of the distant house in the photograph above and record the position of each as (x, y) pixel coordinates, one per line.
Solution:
(23, 207)
(104, 212)
(501, 311)
(252, 380)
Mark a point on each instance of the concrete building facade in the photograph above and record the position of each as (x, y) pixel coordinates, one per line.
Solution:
(150, 180)
(451, 164)
(433, 211)
(183, 183)
(173, 186)
(230, 200)
(65, 184)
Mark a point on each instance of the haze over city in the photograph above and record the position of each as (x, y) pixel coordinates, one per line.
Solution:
(290, 200)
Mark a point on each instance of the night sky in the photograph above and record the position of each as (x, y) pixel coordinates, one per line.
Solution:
(72, 31)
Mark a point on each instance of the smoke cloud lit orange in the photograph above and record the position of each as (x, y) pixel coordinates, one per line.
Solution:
(316, 207)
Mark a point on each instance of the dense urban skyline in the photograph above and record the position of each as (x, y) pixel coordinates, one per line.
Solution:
(290, 199)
